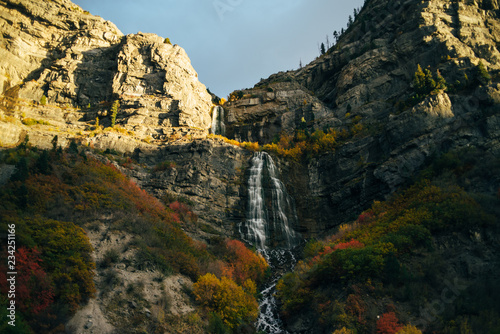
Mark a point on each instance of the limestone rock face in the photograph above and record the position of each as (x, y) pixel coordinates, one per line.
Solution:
(210, 174)
(366, 80)
(78, 64)
(161, 75)
(261, 114)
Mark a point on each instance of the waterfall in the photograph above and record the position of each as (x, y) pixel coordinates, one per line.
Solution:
(271, 213)
(268, 225)
(257, 215)
(218, 126)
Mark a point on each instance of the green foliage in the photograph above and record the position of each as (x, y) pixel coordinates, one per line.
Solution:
(73, 147)
(21, 327)
(78, 190)
(482, 75)
(114, 112)
(216, 325)
(66, 256)
(167, 41)
(374, 250)
(21, 173)
(43, 100)
(425, 83)
(31, 122)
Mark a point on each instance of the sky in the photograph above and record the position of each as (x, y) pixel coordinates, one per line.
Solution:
(232, 44)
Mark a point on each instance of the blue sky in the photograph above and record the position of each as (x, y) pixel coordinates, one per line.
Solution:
(232, 44)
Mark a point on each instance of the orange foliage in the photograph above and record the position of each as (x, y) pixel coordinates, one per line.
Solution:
(345, 245)
(388, 323)
(356, 306)
(243, 263)
(351, 244)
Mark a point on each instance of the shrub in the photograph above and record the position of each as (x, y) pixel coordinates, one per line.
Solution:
(43, 100)
(111, 256)
(482, 75)
(409, 329)
(34, 291)
(227, 299)
(31, 122)
(243, 263)
(65, 252)
(388, 323)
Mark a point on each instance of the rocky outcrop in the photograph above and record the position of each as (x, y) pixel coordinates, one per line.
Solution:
(210, 174)
(262, 113)
(158, 86)
(58, 62)
(366, 79)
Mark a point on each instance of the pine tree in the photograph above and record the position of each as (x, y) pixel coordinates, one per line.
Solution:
(440, 81)
(430, 83)
(42, 163)
(54, 143)
(419, 80)
(336, 36)
(114, 112)
(323, 51)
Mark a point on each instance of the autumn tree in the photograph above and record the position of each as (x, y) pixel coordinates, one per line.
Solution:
(388, 323)
(231, 302)
(244, 264)
(409, 329)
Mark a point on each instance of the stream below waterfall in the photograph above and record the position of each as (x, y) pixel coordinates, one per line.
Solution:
(268, 226)
(281, 261)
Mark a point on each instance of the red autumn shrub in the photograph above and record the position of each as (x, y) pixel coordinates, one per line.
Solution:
(243, 263)
(388, 324)
(33, 292)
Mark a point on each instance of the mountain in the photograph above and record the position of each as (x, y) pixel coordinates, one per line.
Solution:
(365, 85)
(388, 145)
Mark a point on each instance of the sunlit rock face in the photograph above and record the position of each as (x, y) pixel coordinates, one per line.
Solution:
(79, 64)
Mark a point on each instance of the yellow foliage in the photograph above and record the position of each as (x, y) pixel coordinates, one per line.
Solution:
(230, 301)
(409, 329)
(344, 331)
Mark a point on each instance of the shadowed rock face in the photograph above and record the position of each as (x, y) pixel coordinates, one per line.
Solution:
(367, 79)
(55, 49)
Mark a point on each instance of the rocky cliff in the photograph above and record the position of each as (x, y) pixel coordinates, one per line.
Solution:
(135, 102)
(367, 80)
(64, 66)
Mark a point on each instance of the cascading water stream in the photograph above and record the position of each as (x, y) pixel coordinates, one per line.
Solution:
(218, 125)
(268, 227)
